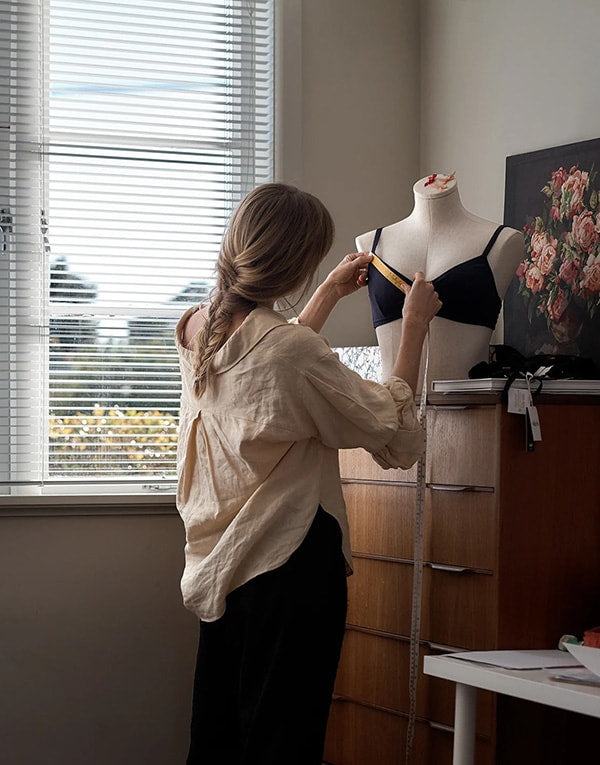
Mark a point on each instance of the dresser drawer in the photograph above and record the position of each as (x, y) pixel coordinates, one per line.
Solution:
(462, 446)
(460, 527)
(361, 735)
(375, 669)
(457, 607)
(381, 518)
(357, 463)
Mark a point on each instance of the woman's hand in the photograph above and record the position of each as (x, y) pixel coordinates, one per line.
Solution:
(347, 277)
(421, 303)
(420, 306)
(350, 275)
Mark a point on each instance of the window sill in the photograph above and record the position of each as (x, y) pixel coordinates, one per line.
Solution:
(107, 503)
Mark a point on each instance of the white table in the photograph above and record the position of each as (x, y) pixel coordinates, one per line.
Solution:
(532, 685)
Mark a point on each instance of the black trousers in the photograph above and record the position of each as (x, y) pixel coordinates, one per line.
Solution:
(266, 668)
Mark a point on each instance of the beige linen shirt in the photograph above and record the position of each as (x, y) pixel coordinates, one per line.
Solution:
(258, 451)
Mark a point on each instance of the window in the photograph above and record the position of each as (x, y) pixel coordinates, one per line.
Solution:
(129, 129)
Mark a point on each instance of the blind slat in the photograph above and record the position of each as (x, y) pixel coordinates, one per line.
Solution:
(128, 132)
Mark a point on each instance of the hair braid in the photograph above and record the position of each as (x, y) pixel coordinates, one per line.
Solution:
(214, 333)
(273, 245)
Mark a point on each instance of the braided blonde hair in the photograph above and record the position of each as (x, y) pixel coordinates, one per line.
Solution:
(273, 245)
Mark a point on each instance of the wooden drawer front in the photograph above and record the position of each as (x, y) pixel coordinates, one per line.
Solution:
(461, 528)
(462, 446)
(381, 519)
(457, 608)
(361, 735)
(375, 670)
(357, 463)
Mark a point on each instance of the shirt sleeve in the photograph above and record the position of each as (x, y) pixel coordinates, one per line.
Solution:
(349, 412)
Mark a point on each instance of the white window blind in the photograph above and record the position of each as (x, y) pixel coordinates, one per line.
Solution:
(128, 132)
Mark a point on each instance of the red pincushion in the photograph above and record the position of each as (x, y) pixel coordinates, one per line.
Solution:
(592, 637)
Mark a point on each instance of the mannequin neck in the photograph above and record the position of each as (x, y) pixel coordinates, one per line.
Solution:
(437, 208)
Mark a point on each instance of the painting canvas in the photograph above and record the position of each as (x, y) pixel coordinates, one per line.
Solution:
(553, 303)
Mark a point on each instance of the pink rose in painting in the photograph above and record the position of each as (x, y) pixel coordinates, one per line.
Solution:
(576, 184)
(590, 281)
(585, 233)
(557, 307)
(538, 240)
(534, 279)
(569, 270)
(546, 256)
(559, 277)
(559, 177)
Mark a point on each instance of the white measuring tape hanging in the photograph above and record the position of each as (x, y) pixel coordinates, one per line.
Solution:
(417, 588)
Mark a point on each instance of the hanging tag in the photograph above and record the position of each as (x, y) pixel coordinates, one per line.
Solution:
(534, 423)
(518, 400)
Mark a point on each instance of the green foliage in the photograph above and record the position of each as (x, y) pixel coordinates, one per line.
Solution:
(110, 441)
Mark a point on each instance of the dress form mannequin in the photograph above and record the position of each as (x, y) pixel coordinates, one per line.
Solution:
(437, 236)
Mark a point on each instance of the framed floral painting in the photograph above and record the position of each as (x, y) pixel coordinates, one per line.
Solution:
(553, 303)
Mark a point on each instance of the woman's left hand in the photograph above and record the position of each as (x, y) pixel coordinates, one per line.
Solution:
(350, 275)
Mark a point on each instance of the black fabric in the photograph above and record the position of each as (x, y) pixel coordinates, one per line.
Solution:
(505, 361)
(266, 669)
(467, 291)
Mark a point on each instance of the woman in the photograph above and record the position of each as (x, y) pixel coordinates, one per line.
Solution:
(265, 406)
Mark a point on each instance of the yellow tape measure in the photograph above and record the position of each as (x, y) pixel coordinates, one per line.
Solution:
(387, 272)
(418, 563)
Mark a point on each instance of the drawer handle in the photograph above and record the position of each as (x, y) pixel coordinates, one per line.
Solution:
(448, 487)
(449, 407)
(441, 648)
(439, 726)
(451, 569)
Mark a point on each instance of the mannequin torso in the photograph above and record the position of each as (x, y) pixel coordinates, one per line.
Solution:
(435, 238)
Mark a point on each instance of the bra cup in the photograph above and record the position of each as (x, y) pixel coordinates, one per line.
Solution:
(387, 302)
(468, 292)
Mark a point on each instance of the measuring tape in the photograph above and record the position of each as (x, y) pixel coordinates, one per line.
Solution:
(417, 588)
(390, 275)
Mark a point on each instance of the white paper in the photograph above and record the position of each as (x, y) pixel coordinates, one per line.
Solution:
(577, 675)
(531, 659)
(534, 423)
(491, 384)
(586, 655)
(518, 400)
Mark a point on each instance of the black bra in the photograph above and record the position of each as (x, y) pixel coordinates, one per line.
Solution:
(467, 291)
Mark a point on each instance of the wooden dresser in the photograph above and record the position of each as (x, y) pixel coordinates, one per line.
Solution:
(512, 560)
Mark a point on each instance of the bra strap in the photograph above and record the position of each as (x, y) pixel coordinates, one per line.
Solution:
(492, 241)
(376, 240)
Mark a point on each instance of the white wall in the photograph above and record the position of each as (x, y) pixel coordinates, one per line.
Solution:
(96, 651)
(502, 77)
(357, 97)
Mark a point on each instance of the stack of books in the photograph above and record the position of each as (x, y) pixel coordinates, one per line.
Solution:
(497, 384)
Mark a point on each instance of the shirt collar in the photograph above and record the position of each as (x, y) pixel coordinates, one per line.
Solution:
(251, 331)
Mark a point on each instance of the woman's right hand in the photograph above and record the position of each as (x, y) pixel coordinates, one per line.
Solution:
(422, 301)
(420, 306)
